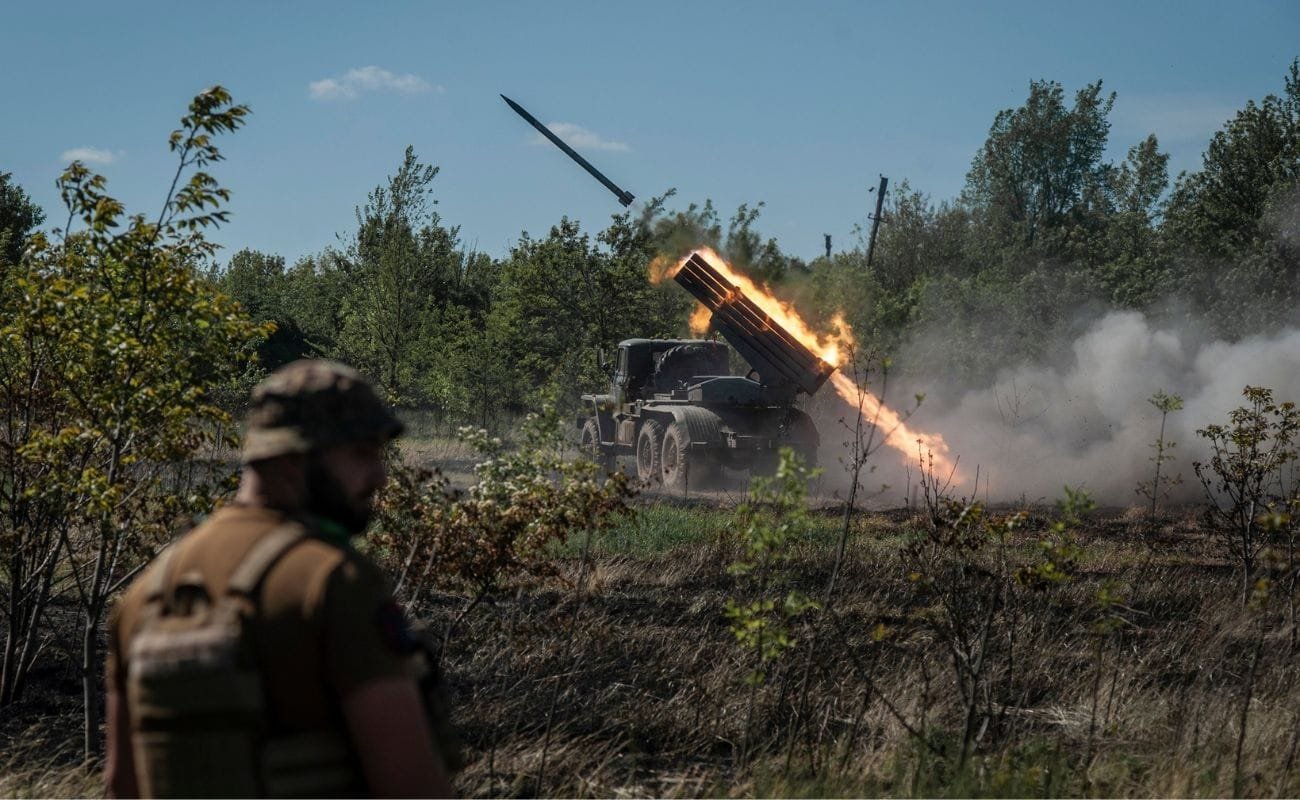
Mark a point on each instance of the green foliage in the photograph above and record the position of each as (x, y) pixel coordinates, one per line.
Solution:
(402, 262)
(261, 285)
(1232, 224)
(314, 289)
(19, 217)
(963, 573)
(563, 296)
(1042, 164)
(1058, 553)
(524, 501)
(114, 348)
(774, 518)
(1244, 477)
(1153, 489)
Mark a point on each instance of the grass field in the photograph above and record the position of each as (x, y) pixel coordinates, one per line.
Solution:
(650, 696)
(635, 686)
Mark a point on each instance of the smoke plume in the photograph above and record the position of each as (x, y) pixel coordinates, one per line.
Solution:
(1087, 421)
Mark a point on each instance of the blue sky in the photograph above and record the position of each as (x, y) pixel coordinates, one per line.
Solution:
(798, 105)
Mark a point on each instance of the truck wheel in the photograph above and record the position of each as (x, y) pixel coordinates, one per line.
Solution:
(674, 460)
(684, 468)
(589, 446)
(648, 450)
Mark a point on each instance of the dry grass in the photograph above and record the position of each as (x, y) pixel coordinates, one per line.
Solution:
(43, 760)
(649, 698)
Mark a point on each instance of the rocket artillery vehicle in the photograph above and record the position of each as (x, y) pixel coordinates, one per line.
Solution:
(673, 402)
(674, 405)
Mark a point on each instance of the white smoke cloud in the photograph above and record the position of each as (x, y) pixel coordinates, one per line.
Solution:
(1089, 423)
(580, 138)
(90, 155)
(353, 83)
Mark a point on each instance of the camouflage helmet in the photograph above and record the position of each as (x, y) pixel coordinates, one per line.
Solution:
(312, 404)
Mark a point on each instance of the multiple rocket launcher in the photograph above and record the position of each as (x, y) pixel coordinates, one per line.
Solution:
(781, 360)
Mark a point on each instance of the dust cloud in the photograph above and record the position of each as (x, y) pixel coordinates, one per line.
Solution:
(1085, 421)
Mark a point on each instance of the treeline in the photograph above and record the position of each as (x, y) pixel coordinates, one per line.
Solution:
(1045, 227)
(443, 328)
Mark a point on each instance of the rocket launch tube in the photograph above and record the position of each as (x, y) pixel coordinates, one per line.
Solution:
(770, 349)
(792, 360)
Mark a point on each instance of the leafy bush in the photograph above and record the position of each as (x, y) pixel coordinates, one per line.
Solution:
(524, 501)
(1244, 477)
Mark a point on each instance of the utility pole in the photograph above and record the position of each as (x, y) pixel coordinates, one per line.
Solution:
(875, 218)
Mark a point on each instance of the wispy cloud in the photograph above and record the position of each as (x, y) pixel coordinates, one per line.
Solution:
(355, 82)
(1182, 117)
(581, 138)
(90, 155)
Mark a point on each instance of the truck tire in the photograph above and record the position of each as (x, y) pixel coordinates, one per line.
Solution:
(649, 448)
(684, 468)
(674, 460)
(589, 446)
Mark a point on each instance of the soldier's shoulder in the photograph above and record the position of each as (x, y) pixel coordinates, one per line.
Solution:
(357, 571)
(316, 569)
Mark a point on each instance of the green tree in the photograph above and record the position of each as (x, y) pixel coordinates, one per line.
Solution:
(561, 297)
(28, 539)
(261, 285)
(404, 263)
(133, 342)
(745, 247)
(551, 311)
(19, 217)
(1248, 165)
(315, 287)
(1231, 226)
(1133, 272)
(1041, 163)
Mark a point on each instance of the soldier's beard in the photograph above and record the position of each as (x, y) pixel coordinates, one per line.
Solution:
(327, 498)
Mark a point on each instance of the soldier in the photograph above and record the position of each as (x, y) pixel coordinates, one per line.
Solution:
(261, 654)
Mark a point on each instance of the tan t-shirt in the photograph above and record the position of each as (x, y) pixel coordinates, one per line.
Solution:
(327, 621)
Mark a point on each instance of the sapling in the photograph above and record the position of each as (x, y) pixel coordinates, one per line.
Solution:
(1153, 490)
(865, 438)
(950, 569)
(1243, 478)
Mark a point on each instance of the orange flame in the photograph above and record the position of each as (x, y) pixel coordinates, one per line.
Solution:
(828, 346)
(831, 347)
(700, 317)
(897, 434)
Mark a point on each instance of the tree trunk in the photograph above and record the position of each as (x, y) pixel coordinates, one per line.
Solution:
(90, 683)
